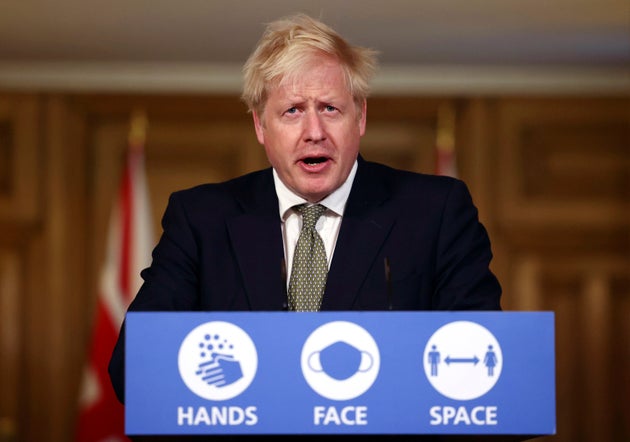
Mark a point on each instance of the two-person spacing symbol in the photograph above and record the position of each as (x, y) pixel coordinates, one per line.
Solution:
(490, 360)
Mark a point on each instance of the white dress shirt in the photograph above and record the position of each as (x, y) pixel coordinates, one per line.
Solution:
(328, 224)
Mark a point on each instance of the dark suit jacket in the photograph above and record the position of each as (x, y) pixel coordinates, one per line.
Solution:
(222, 249)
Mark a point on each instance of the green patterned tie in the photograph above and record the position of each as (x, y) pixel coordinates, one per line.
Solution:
(310, 267)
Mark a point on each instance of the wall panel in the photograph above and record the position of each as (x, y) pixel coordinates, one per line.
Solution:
(562, 217)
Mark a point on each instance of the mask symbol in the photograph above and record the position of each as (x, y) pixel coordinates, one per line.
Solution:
(340, 360)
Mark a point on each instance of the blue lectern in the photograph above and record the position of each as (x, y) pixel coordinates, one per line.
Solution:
(340, 373)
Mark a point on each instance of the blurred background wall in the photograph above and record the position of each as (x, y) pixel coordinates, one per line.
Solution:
(540, 91)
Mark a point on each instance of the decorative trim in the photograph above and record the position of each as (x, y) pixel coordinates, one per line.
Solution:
(391, 79)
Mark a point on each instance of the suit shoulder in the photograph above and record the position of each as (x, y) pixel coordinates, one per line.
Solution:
(239, 181)
(228, 188)
(405, 181)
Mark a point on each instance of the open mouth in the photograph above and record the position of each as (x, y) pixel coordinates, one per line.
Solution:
(315, 160)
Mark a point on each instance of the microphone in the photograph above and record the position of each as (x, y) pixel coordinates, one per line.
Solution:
(388, 282)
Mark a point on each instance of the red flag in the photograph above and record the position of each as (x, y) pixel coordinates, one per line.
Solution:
(445, 158)
(128, 251)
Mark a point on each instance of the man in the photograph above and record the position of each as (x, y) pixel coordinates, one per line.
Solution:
(389, 239)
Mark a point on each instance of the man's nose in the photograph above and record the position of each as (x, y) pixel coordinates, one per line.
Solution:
(314, 127)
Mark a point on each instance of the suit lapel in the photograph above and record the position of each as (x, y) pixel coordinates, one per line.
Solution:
(256, 237)
(365, 226)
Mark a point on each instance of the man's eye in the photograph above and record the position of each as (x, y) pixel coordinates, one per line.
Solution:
(291, 110)
(330, 108)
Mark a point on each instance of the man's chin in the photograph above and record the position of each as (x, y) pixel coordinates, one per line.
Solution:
(314, 195)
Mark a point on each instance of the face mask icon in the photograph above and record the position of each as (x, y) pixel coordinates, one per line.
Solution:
(340, 360)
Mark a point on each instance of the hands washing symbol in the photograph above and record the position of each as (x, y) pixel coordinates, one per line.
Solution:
(220, 369)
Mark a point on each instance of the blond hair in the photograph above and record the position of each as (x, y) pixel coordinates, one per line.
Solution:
(286, 47)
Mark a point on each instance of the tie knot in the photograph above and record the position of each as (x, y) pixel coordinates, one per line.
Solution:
(310, 214)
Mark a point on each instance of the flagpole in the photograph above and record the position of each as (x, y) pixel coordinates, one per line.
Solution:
(445, 162)
(138, 130)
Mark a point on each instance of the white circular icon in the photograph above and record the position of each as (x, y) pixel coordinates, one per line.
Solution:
(340, 360)
(217, 360)
(463, 360)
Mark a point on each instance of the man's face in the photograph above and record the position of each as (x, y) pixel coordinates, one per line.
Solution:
(311, 128)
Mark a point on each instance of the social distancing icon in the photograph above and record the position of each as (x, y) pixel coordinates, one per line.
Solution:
(463, 360)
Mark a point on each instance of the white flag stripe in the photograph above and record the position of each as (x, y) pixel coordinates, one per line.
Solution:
(141, 239)
(113, 298)
(142, 229)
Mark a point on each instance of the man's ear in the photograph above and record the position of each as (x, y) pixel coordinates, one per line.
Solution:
(258, 125)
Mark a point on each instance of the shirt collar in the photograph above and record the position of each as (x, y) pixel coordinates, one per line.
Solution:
(335, 202)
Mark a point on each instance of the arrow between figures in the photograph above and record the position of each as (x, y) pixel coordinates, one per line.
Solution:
(474, 360)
